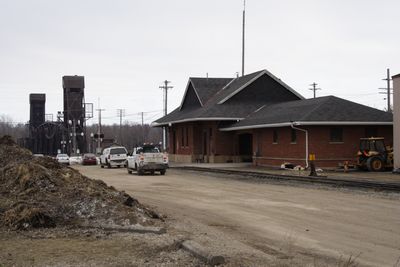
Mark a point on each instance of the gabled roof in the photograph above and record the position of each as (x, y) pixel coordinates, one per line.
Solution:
(240, 85)
(329, 110)
(204, 88)
(215, 94)
(188, 87)
(207, 87)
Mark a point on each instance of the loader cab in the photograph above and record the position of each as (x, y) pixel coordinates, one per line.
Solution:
(374, 155)
(373, 144)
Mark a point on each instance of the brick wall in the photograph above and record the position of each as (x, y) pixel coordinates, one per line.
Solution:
(217, 146)
(328, 154)
(223, 146)
(181, 136)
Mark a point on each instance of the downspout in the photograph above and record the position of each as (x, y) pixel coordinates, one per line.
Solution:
(299, 129)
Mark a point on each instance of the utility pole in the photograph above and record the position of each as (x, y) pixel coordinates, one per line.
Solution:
(388, 90)
(99, 131)
(120, 114)
(165, 87)
(314, 89)
(243, 34)
(142, 128)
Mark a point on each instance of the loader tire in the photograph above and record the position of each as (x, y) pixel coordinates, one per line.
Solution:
(375, 164)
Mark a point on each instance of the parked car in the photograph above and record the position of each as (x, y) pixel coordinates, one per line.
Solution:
(113, 156)
(89, 159)
(147, 159)
(75, 160)
(62, 158)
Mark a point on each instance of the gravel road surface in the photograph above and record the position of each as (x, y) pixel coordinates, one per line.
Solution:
(251, 222)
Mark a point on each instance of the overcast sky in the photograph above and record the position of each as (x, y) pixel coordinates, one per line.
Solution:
(125, 49)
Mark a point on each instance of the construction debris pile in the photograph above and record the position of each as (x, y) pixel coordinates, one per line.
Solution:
(40, 192)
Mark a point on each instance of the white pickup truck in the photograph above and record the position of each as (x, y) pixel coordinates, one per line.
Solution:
(113, 156)
(147, 159)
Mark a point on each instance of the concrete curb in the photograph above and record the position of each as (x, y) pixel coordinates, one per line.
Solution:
(202, 253)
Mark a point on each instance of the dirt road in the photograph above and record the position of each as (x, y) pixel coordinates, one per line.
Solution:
(249, 221)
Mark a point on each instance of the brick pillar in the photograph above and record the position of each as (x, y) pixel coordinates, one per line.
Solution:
(396, 122)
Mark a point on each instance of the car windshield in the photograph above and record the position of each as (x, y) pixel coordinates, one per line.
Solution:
(62, 155)
(118, 150)
(89, 156)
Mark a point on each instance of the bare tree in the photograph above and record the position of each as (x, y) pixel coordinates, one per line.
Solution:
(8, 127)
(132, 134)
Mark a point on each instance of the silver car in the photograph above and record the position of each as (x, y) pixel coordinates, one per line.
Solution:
(62, 158)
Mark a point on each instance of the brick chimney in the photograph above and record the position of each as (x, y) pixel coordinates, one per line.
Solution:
(396, 122)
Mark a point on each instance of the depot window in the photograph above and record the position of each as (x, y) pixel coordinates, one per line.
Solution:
(182, 137)
(336, 135)
(187, 137)
(293, 137)
(275, 137)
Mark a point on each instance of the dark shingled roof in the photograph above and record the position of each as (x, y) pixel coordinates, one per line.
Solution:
(207, 87)
(321, 109)
(212, 91)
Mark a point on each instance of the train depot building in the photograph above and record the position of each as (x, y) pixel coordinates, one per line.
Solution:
(258, 118)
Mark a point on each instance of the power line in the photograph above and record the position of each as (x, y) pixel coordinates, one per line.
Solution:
(145, 112)
(357, 94)
(155, 115)
(138, 114)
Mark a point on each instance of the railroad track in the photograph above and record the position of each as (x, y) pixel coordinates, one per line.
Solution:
(323, 180)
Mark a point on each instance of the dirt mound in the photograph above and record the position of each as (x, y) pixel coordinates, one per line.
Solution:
(40, 192)
(11, 152)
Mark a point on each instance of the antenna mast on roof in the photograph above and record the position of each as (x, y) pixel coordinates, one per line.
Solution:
(243, 34)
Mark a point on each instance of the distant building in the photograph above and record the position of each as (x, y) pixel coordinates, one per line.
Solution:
(257, 117)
